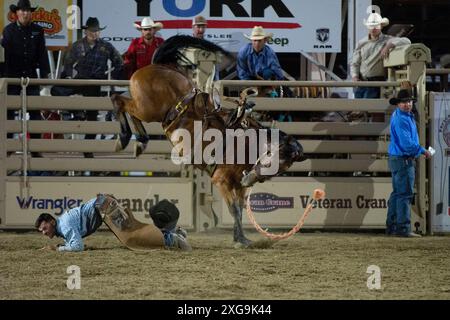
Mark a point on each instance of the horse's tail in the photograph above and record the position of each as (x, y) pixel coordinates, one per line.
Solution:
(169, 52)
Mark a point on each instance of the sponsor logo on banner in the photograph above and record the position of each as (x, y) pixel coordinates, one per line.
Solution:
(60, 205)
(444, 129)
(323, 35)
(267, 202)
(360, 202)
(51, 15)
(50, 21)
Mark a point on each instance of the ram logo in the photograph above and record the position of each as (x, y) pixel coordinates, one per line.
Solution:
(323, 35)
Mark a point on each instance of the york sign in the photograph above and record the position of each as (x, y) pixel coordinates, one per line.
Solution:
(295, 24)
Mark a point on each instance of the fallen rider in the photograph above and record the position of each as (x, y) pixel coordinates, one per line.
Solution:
(80, 222)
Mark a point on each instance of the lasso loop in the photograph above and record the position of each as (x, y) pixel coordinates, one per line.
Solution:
(318, 194)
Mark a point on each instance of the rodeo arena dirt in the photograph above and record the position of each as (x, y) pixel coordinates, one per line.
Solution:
(221, 188)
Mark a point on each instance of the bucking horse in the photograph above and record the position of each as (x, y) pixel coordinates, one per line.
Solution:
(163, 92)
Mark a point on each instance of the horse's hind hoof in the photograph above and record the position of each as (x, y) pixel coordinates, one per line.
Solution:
(139, 147)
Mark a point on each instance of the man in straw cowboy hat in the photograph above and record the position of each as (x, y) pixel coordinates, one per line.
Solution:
(79, 222)
(367, 61)
(88, 58)
(404, 148)
(25, 53)
(199, 25)
(141, 50)
(256, 60)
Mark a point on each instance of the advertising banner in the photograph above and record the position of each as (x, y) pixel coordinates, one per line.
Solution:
(349, 202)
(297, 25)
(23, 205)
(440, 164)
(50, 15)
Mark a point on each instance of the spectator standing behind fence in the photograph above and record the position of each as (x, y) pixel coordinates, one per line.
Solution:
(367, 61)
(256, 60)
(25, 52)
(88, 58)
(141, 50)
(404, 148)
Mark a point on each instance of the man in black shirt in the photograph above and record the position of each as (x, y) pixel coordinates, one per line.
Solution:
(25, 51)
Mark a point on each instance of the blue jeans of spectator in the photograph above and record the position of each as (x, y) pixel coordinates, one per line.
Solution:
(399, 212)
(367, 93)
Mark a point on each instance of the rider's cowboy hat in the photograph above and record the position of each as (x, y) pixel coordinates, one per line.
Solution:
(148, 23)
(22, 5)
(92, 24)
(404, 95)
(199, 21)
(376, 21)
(164, 214)
(258, 34)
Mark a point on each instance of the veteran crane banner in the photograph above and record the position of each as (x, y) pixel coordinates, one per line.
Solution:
(297, 25)
(51, 15)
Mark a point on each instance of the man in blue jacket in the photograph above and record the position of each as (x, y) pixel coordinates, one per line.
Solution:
(404, 148)
(80, 222)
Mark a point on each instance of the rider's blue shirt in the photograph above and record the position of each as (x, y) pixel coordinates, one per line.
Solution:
(77, 223)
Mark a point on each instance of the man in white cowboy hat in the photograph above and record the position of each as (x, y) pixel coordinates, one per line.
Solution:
(256, 60)
(141, 50)
(367, 61)
(199, 25)
(25, 52)
(88, 58)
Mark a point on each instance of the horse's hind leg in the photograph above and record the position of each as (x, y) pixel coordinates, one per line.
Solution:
(141, 136)
(235, 205)
(119, 103)
(238, 232)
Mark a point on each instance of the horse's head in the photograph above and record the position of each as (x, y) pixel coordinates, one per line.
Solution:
(290, 151)
(276, 159)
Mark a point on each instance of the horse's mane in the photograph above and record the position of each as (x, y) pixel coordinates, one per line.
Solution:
(169, 53)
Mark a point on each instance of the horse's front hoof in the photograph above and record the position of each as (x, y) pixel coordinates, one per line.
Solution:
(242, 243)
(262, 244)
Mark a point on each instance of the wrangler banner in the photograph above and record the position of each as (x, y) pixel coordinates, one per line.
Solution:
(23, 205)
(297, 25)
